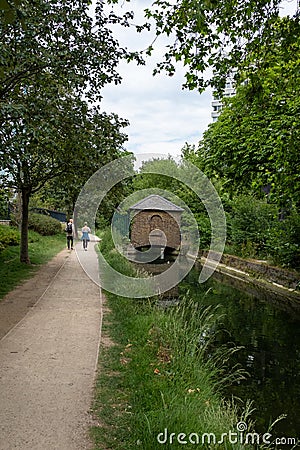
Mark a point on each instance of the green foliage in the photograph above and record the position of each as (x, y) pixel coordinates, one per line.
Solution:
(102, 222)
(254, 143)
(250, 225)
(170, 187)
(283, 243)
(107, 243)
(97, 142)
(13, 12)
(9, 236)
(119, 262)
(86, 65)
(3, 205)
(47, 130)
(44, 225)
(253, 150)
(214, 34)
(204, 227)
(41, 249)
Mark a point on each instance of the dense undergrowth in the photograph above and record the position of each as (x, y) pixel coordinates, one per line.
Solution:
(257, 229)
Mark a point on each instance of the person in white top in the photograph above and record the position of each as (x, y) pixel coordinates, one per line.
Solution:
(85, 236)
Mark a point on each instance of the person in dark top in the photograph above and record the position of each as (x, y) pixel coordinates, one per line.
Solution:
(70, 234)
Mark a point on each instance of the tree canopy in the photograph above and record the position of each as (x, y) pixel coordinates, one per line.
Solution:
(255, 142)
(50, 68)
(61, 38)
(211, 38)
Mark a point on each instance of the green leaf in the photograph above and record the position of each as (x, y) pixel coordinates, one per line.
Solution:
(4, 5)
(9, 16)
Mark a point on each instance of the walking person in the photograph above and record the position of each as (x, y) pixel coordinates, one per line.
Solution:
(70, 234)
(85, 236)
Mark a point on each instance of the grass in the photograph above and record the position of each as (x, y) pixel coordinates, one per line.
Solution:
(161, 373)
(155, 378)
(41, 250)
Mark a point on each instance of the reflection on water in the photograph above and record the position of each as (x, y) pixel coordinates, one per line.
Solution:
(270, 336)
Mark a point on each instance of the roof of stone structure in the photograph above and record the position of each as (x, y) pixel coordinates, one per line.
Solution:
(155, 203)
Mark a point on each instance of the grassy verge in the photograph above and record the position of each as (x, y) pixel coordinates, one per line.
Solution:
(159, 376)
(41, 250)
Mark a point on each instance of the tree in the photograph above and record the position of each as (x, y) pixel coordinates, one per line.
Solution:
(211, 34)
(51, 138)
(152, 180)
(101, 140)
(63, 39)
(255, 142)
(4, 204)
(172, 186)
(47, 66)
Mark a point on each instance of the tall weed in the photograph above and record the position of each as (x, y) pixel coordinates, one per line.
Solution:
(191, 400)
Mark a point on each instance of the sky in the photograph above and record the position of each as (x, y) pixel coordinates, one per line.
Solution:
(162, 116)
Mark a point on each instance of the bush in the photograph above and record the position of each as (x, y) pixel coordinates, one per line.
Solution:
(9, 236)
(44, 225)
(3, 205)
(250, 225)
(204, 227)
(284, 241)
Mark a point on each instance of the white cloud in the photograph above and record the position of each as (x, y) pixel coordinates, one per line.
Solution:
(162, 116)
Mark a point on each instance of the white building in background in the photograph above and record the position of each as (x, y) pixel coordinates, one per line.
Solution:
(217, 104)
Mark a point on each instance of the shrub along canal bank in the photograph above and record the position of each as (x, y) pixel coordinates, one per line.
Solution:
(163, 376)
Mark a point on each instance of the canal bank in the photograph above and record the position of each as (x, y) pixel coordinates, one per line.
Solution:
(156, 375)
(257, 277)
(260, 305)
(263, 320)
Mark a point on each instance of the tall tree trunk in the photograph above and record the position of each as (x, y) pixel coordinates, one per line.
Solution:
(24, 255)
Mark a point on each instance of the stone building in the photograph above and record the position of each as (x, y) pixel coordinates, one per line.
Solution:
(155, 221)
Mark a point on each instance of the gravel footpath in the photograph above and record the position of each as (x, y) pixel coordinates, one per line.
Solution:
(50, 334)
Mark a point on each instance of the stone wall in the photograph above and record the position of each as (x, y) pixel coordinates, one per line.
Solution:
(259, 269)
(146, 221)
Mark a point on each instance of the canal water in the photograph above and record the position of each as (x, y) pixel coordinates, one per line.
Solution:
(268, 330)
